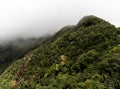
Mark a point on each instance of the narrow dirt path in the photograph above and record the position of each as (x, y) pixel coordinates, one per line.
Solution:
(21, 72)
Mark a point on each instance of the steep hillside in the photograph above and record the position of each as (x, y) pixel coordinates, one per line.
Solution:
(16, 49)
(85, 56)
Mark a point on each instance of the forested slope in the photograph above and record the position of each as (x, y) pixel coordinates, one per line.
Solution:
(15, 49)
(84, 56)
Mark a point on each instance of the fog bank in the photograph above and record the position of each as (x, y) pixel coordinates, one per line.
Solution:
(34, 18)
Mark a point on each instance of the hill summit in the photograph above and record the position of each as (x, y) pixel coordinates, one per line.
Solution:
(84, 56)
(90, 20)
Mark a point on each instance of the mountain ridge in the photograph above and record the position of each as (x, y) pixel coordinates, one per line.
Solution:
(85, 56)
(14, 49)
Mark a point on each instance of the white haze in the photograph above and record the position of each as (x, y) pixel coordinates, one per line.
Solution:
(33, 18)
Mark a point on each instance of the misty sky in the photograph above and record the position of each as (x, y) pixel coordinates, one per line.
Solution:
(30, 18)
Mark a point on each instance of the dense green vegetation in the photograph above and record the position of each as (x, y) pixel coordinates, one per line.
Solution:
(16, 49)
(85, 56)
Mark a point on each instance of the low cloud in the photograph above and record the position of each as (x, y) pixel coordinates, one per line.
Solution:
(34, 18)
